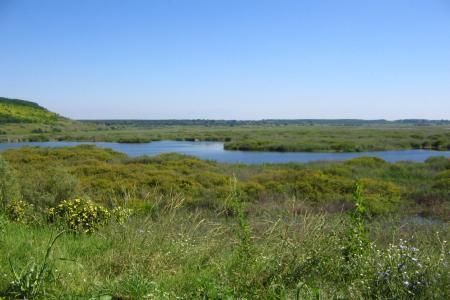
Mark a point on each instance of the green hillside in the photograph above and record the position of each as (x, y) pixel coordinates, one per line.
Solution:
(21, 111)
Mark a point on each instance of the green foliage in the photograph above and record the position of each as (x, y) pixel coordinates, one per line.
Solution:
(191, 254)
(439, 163)
(9, 187)
(79, 215)
(244, 231)
(357, 237)
(381, 196)
(19, 111)
(442, 181)
(48, 185)
(367, 162)
(20, 211)
(3, 222)
(306, 184)
(121, 214)
(31, 282)
(48, 176)
(403, 273)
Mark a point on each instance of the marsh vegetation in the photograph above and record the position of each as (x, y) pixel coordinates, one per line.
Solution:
(176, 226)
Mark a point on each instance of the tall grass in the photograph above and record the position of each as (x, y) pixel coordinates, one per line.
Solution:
(202, 254)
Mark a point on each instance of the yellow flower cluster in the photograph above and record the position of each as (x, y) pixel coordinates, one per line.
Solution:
(121, 214)
(80, 215)
(18, 210)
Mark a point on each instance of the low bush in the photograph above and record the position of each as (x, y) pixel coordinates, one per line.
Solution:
(46, 186)
(381, 196)
(20, 211)
(442, 181)
(79, 215)
(9, 186)
(121, 214)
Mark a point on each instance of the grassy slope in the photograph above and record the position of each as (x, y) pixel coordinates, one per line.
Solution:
(22, 120)
(20, 111)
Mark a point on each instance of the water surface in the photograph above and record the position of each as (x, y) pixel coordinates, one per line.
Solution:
(215, 151)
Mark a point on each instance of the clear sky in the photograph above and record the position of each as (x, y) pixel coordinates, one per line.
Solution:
(228, 59)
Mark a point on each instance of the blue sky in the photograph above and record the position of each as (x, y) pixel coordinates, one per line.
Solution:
(226, 59)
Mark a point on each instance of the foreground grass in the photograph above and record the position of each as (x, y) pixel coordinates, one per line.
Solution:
(187, 255)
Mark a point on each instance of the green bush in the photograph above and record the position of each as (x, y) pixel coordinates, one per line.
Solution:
(47, 186)
(19, 211)
(79, 215)
(381, 196)
(439, 163)
(442, 181)
(9, 187)
(319, 187)
(367, 161)
(121, 214)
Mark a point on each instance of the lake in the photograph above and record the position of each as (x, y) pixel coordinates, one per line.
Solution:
(215, 151)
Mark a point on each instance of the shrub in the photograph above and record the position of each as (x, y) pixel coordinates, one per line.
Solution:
(438, 163)
(9, 187)
(381, 196)
(367, 161)
(121, 214)
(442, 181)
(79, 215)
(47, 186)
(318, 186)
(19, 211)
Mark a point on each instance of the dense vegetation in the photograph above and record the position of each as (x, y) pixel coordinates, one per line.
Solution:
(176, 226)
(49, 176)
(22, 120)
(258, 138)
(264, 135)
(20, 111)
